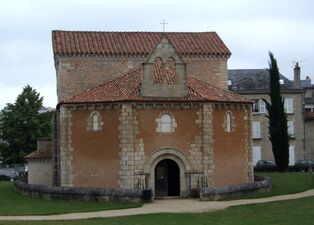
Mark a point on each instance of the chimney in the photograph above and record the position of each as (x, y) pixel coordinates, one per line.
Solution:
(297, 72)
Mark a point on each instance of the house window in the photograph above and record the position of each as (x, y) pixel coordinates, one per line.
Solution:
(290, 128)
(94, 121)
(256, 129)
(165, 123)
(291, 155)
(256, 154)
(259, 106)
(288, 103)
(228, 122)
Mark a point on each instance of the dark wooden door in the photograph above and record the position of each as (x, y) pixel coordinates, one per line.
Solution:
(167, 178)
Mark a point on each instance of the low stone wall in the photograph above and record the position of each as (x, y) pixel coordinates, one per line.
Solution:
(75, 193)
(260, 184)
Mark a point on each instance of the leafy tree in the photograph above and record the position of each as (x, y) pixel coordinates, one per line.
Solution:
(21, 124)
(278, 128)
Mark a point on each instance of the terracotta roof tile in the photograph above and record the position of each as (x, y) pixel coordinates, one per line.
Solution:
(309, 115)
(135, 43)
(127, 88)
(41, 153)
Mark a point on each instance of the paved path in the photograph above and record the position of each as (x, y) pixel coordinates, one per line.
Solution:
(164, 206)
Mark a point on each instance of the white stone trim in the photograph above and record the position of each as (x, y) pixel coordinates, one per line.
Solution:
(225, 124)
(168, 153)
(158, 121)
(90, 121)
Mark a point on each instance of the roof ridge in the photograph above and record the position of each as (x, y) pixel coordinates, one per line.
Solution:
(157, 32)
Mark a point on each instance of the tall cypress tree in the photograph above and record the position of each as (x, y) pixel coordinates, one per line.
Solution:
(278, 128)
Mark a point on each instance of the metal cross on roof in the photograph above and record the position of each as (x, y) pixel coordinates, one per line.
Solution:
(163, 25)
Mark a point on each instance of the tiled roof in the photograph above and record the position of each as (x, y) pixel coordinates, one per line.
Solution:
(135, 43)
(42, 153)
(127, 88)
(309, 115)
(254, 80)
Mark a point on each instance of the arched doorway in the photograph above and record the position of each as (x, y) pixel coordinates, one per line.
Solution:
(167, 178)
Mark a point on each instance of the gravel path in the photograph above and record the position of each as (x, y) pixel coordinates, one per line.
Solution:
(164, 206)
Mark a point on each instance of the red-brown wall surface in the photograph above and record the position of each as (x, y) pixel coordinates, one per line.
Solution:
(229, 149)
(96, 153)
(182, 137)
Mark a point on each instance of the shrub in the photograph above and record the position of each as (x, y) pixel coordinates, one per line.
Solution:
(4, 178)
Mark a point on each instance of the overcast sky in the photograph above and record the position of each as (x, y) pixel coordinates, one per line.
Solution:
(249, 28)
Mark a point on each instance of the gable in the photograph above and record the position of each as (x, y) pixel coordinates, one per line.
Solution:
(164, 72)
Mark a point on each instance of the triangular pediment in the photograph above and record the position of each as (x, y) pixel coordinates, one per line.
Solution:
(164, 72)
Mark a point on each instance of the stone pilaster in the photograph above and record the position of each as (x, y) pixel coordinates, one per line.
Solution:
(126, 145)
(66, 149)
(207, 145)
(248, 144)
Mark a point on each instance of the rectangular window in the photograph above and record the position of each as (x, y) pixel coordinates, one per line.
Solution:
(290, 128)
(256, 154)
(288, 102)
(258, 106)
(291, 156)
(255, 108)
(262, 106)
(256, 129)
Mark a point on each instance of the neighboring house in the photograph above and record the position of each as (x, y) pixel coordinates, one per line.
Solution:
(308, 88)
(148, 110)
(254, 84)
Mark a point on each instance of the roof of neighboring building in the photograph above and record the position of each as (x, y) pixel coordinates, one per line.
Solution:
(135, 43)
(306, 83)
(41, 153)
(309, 115)
(255, 80)
(127, 88)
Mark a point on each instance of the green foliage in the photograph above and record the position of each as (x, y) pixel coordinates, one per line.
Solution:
(12, 203)
(4, 177)
(21, 125)
(278, 128)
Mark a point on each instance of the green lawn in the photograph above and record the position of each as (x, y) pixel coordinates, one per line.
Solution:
(285, 183)
(12, 203)
(292, 212)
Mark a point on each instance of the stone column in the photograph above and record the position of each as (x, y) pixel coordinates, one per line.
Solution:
(207, 142)
(66, 149)
(126, 145)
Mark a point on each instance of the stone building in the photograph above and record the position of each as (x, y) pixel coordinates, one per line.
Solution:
(308, 88)
(142, 110)
(254, 84)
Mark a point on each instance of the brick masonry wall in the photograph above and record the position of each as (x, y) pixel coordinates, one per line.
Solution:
(115, 155)
(96, 152)
(232, 150)
(75, 74)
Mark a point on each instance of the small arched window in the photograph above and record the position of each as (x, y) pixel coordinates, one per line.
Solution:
(95, 122)
(166, 123)
(171, 71)
(158, 73)
(228, 122)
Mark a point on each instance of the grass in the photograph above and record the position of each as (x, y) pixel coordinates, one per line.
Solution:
(283, 183)
(292, 212)
(12, 203)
